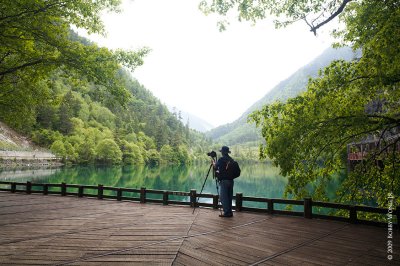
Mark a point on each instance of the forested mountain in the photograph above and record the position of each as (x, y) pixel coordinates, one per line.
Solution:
(78, 99)
(239, 131)
(83, 123)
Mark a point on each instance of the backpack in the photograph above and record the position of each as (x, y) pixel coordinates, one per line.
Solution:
(232, 169)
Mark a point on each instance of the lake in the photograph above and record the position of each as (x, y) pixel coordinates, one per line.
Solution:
(258, 180)
(261, 180)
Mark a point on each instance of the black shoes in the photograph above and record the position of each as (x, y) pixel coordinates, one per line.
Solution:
(226, 215)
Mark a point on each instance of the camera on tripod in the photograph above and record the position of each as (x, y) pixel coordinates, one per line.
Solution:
(212, 154)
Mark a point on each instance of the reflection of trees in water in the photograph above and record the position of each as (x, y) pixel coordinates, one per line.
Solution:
(259, 180)
(21, 175)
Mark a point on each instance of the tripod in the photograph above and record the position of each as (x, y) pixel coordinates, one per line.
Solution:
(205, 180)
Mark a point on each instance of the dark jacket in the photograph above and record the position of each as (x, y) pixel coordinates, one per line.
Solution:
(220, 167)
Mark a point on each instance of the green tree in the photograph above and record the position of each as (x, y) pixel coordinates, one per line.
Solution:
(131, 153)
(45, 137)
(36, 40)
(71, 153)
(107, 151)
(87, 153)
(182, 154)
(58, 148)
(315, 13)
(102, 115)
(153, 157)
(36, 35)
(168, 156)
(350, 102)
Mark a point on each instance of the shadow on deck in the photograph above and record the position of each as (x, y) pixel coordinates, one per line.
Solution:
(43, 230)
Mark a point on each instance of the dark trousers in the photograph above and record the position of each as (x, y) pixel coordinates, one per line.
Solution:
(226, 195)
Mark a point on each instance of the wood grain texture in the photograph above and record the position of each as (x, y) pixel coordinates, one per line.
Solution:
(54, 230)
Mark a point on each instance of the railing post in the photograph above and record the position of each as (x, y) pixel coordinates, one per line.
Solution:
(143, 195)
(119, 194)
(165, 198)
(192, 198)
(80, 191)
(239, 202)
(308, 208)
(63, 189)
(28, 187)
(270, 206)
(13, 187)
(353, 214)
(99, 191)
(215, 201)
(45, 189)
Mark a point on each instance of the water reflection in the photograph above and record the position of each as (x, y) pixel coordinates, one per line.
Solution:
(261, 180)
(257, 180)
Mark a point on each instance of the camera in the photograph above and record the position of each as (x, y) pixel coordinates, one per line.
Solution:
(212, 154)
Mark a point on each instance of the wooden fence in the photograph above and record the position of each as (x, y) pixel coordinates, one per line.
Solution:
(192, 199)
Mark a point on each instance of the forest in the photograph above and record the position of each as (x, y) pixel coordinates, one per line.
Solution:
(78, 99)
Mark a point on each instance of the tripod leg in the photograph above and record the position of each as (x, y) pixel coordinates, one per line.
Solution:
(204, 183)
(219, 196)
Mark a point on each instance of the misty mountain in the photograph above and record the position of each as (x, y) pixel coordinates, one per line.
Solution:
(240, 131)
(194, 121)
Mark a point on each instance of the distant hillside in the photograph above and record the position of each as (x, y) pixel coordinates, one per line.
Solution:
(194, 121)
(240, 131)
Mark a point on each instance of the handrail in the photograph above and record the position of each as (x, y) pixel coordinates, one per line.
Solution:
(190, 198)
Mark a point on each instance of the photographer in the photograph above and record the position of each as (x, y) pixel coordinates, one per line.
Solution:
(225, 181)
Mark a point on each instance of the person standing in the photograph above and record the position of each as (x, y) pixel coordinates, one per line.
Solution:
(225, 181)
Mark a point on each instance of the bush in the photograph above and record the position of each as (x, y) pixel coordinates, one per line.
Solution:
(153, 157)
(131, 153)
(58, 148)
(108, 152)
(46, 137)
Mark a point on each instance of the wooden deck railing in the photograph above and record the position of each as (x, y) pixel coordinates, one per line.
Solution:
(191, 199)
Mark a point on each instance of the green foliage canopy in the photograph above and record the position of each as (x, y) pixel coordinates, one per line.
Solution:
(108, 151)
(74, 123)
(348, 104)
(36, 39)
(315, 13)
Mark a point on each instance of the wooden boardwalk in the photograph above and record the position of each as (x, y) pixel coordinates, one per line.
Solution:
(54, 230)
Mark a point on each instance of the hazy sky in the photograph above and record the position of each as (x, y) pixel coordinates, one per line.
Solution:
(194, 67)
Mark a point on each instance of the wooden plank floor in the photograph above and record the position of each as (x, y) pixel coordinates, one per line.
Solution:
(55, 230)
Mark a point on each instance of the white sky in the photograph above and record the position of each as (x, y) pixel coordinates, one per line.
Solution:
(200, 70)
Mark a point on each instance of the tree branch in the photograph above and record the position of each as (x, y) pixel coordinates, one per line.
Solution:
(4, 57)
(35, 11)
(335, 14)
(14, 69)
(335, 120)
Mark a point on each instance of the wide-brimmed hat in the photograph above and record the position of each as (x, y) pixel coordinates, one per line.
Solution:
(225, 149)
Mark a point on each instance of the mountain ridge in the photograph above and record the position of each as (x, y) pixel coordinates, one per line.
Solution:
(193, 121)
(239, 131)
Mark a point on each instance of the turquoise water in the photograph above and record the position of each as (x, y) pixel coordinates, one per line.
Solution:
(259, 180)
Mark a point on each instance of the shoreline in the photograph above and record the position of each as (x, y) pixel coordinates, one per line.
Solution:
(27, 163)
